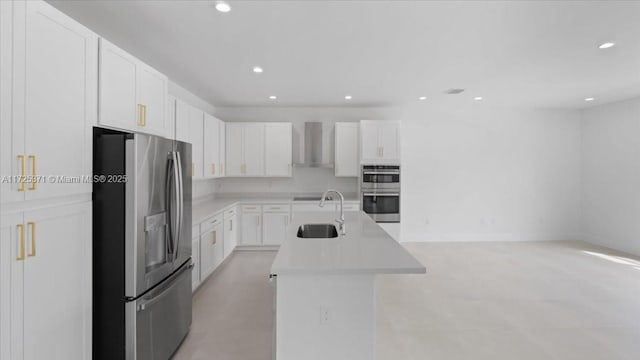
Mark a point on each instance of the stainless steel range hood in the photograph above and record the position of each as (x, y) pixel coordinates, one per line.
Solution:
(313, 150)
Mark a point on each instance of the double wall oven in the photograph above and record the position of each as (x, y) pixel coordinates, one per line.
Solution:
(380, 190)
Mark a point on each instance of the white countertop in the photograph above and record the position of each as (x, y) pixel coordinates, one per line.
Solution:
(204, 208)
(365, 249)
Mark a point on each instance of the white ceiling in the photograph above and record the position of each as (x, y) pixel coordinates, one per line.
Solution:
(517, 53)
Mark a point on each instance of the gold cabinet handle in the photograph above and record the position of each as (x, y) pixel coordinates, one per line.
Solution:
(231, 225)
(213, 169)
(32, 225)
(22, 173)
(144, 122)
(193, 169)
(21, 257)
(140, 115)
(214, 238)
(34, 172)
(221, 169)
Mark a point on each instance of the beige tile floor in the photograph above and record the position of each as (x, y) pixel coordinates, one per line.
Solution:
(558, 301)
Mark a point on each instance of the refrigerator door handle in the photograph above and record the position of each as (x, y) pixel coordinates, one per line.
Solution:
(180, 201)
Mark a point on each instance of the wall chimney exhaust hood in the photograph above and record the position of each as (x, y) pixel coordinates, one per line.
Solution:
(312, 142)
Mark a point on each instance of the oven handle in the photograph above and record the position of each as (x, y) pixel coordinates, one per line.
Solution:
(381, 194)
(381, 172)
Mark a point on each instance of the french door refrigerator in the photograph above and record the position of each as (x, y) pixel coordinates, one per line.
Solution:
(141, 245)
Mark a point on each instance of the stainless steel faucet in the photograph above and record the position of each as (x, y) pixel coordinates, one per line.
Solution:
(340, 221)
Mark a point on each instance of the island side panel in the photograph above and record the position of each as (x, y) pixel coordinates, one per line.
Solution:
(320, 317)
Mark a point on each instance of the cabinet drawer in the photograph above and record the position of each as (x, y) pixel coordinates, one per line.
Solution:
(276, 208)
(229, 213)
(195, 231)
(251, 208)
(211, 222)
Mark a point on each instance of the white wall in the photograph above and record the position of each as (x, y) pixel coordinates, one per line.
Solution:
(611, 175)
(473, 172)
(477, 172)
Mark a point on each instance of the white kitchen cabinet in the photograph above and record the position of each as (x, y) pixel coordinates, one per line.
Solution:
(196, 138)
(245, 149)
(46, 273)
(251, 225)
(347, 140)
(380, 142)
(275, 223)
(133, 95)
(230, 234)
(48, 100)
(278, 149)
(211, 250)
(195, 257)
(222, 136)
(171, 117)
(211, 142)
(182, 114)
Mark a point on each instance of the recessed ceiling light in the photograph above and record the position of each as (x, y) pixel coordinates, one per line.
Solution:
(257, 69)
(589, 99)
(422, 98)
(273, 97)
(477, 98)
(348, 97)
(606, 45)
(223, 6)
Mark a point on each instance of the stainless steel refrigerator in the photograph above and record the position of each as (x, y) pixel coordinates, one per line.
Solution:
(141, 245)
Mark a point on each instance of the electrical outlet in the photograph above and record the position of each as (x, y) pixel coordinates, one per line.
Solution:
(324, 315)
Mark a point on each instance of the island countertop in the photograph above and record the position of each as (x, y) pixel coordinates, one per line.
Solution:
(365, 249)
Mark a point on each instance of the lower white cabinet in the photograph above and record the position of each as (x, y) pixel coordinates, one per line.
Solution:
(195, 257)
(230, 234)
(45, 277)
(251, 225)
(211, 250)
(274, 228)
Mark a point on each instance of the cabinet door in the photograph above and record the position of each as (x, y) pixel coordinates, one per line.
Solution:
(251, 229)
(196, 137)
(59, 104)
(278, 149)
(11, 296)
(254, 149)
(57, 283)
(182, 121)
(11, 128)
(222, 136)
(211, 146)
(274, 228)
(235, 149)
(211, 251)
(389, 140)
(230, 238)
(195, 259)
(171, 117)
(117, 88)
(347, 160)
(151, 88)
(369, 147)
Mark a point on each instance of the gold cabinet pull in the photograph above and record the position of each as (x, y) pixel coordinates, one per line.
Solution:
(213, 169)
(221, 169)
(34, 172)
(214, 238)
(193, 169)
(231, 225)
(144, 119)
(21, 257)
(140, 115)
(22, 173)
(32, 225)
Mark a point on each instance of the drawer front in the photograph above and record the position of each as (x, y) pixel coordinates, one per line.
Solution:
(277, 208)
(229, 213)
(352, 207)
(211, 222)
(251, 208)
(195, 232)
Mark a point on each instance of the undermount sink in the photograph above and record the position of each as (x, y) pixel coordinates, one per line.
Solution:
(317, 231)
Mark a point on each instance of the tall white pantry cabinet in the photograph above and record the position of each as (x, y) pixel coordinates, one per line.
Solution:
(48, 104)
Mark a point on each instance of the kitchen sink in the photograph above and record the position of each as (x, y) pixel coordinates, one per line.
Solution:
(317, 231)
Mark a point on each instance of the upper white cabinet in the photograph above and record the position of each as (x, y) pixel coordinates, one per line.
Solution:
(380, 141)
(245, 149)
(212, 156)
(278, 149)
(195, 125)
(48, 101)
(347, 140)
(182, 121)
(222, 145)
(133, 96)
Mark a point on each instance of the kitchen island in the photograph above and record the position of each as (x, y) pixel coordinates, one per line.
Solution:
(325, 288)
